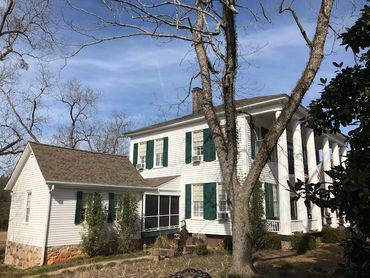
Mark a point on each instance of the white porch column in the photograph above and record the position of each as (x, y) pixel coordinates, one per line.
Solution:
(283, 177)
(326, 167)
(336, 159)
(313, 174)
(343, 156)
(299, 170)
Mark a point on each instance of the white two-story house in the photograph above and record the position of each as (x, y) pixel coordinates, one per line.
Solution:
(183, 147)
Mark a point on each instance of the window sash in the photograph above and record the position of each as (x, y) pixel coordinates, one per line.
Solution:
(28, 206)
(198, 142)
(159, 149)
(198, 202)
(222, 199)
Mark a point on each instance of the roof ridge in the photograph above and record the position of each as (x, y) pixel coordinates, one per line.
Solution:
(71, 149)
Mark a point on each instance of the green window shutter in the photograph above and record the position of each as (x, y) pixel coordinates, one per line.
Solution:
(136, 148)
(209, 198)
(209, 150)
(188, 150)
(253, 143)
(149, 154)
(269, 201)
(78, 219)
(165, 151)
(187, 201)
(111, 206)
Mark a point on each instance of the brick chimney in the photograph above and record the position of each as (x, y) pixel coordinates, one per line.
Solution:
(197, 103)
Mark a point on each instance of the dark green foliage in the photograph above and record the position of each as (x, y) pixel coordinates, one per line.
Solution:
(332, 235)
(201, 249)
(356, 253)
(302, 243)
(258, 227)
(127, 220)
(97, 237)
(345, 101)
(272, 241)
(228, 243)
(4, 204)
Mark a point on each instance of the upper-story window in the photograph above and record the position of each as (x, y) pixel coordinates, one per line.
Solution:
(257, 135)
(28, 206)
(199, 146)
(198, 142)
(142, 153)
(159, 152)
(152, 153)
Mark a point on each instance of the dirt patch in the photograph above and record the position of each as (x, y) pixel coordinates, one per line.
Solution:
(270, 263)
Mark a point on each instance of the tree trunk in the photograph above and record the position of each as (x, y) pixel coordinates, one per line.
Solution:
(242, 263)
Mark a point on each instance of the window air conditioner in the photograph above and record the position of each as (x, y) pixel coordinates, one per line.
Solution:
(140, 166)
(223, 215)
(196, 158)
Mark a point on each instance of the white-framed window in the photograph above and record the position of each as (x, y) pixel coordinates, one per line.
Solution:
(198, 142)
(116, 206)
(275, 194)
(28, 206)
(198, 203)
(159, 152)
(222, 199)
(142, 153)
(85, 197)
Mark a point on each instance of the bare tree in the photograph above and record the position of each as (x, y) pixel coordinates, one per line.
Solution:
(209, 26)
(109, 135)
(80, 103)
(21, 112)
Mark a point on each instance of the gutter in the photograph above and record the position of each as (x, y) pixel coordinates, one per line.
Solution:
(111, 186)
(195, 119)
(46, 231)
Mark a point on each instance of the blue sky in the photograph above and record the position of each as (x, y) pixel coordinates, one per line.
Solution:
(144, 77)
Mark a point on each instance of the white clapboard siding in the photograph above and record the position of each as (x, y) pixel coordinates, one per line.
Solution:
(33, 231)
(62, 229)
(203, 172)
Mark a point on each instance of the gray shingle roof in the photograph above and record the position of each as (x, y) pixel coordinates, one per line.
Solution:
(78, 166)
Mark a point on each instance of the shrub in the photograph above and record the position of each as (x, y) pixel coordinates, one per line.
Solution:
(162, 241)
(228, 243)
(201, 249)
(332, 235)
(272, 241)
(94, 241)
(302, 243)
(258, 227)
(127, 218)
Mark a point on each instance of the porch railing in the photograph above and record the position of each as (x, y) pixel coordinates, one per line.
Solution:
(272, 225)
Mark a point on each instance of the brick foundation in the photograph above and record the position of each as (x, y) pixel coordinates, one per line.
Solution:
(64, 253)
(22, 255)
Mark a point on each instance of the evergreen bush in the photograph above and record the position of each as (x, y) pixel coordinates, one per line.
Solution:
(333, 235)
(272, 241)
(94, 242)
(127, 219)
(302, 243)
(258, 226)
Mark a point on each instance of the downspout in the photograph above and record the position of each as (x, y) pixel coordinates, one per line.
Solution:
(46, 231)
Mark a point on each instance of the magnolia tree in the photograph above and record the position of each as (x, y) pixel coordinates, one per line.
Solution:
(211, 30)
